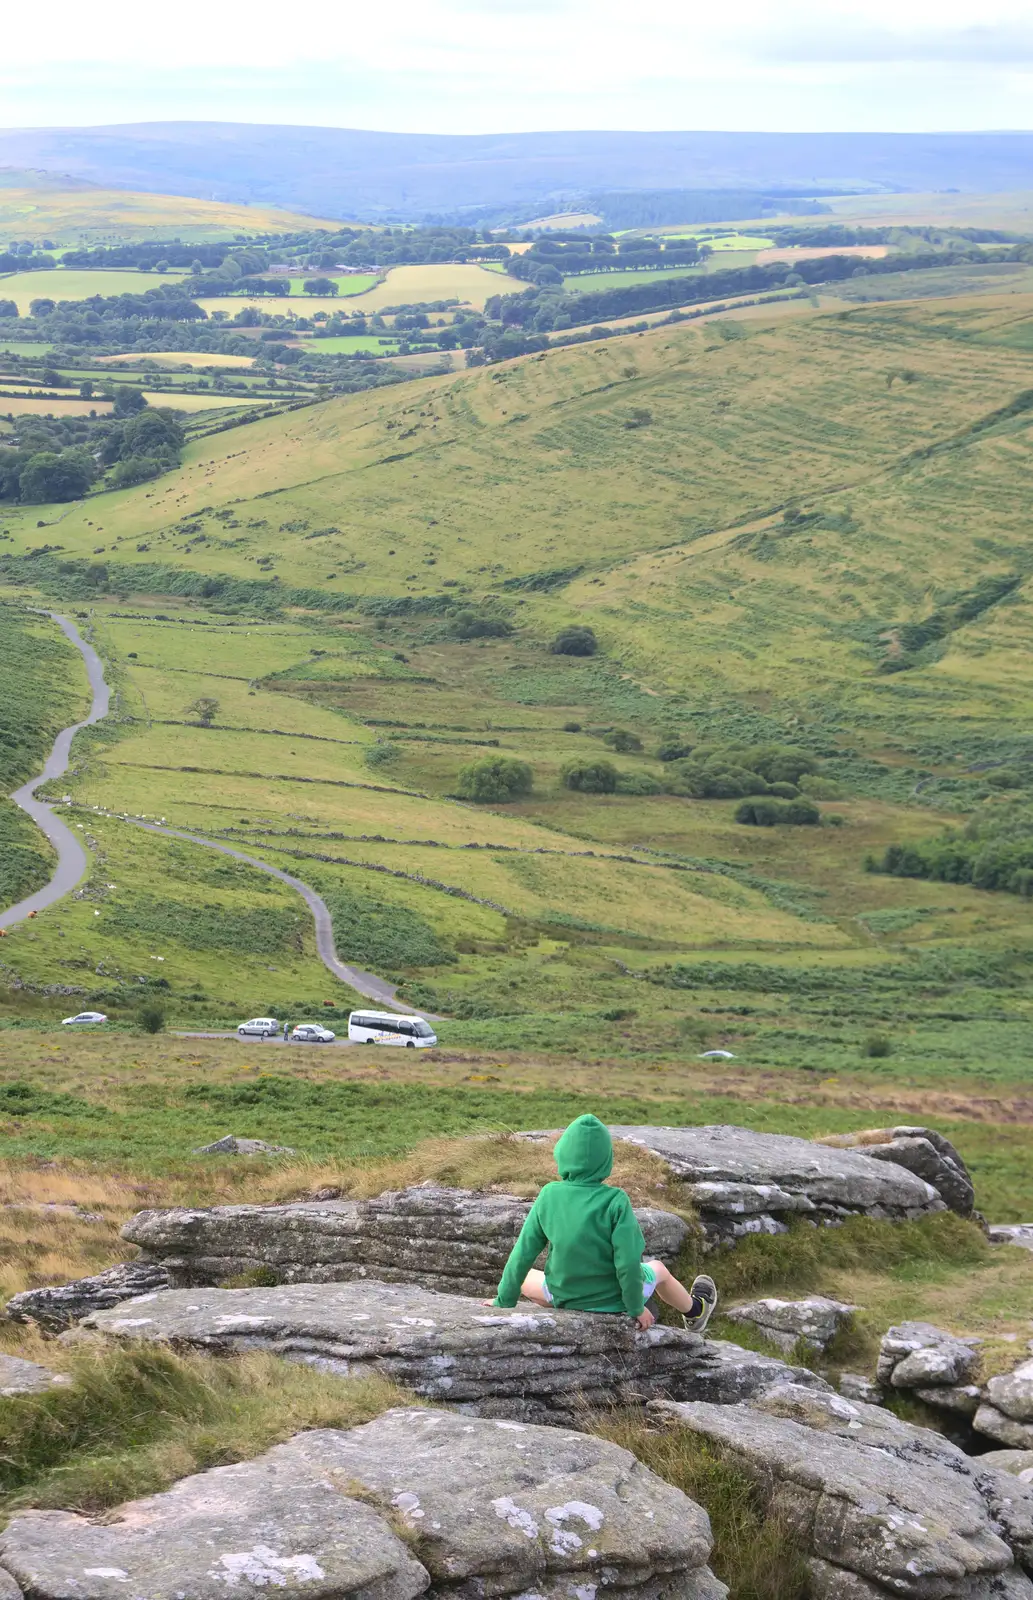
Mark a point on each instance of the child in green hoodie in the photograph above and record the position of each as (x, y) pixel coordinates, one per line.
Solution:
(595, 1243)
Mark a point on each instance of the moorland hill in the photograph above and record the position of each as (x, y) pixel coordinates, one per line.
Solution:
(356, 172)
(801, 548)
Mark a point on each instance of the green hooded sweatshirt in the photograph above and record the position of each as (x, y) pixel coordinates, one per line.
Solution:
(595, 1243)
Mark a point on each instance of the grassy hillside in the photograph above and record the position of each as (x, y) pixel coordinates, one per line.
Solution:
(41, 205)
(808, 531)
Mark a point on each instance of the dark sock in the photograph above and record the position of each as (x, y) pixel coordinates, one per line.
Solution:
(698, 1306)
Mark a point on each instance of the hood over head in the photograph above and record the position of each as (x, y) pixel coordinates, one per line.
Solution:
(584, 1154)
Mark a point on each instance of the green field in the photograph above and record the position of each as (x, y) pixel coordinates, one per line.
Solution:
(806, 535)
(65, 283)
(349, 343)
(773, 941)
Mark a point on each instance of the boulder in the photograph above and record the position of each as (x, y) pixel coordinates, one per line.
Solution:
(1012, 1393)
(416, 1501)
(726, 1374)
(1006, 1430)
(1020, 1233)
(448, 1239)
(922, 1151)
(813, 1323)
(230, 1145)
(744, 1182)
(1017, 1462)
(25, 1377)
(917, 1355)
(9, 1590)
(963, 1398)
(853, 1386)
(529, 1363)
(58, 1307)
(882, 1507)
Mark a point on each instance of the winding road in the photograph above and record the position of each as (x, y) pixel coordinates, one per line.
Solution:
(71, 857)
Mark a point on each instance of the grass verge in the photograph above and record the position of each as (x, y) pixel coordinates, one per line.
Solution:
(135, 1419)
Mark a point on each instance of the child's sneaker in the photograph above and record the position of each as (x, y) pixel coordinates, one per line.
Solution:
(704, 1290)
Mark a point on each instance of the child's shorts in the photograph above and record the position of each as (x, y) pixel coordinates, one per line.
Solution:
(648, 1283)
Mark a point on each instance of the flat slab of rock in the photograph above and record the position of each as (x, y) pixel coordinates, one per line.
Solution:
(59, 1307)
(231, 1145)
(742, 1181)
(882, 1506)
(449, 1239)
(1006, 1430)
(25, 1377)
(923, 1151)
(813, 1322)
(918, 1355)
(485, 1508)
(529, 1363)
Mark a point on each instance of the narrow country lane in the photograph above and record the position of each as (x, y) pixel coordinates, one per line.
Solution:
(71, 857)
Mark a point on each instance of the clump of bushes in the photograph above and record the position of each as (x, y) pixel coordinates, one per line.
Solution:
(877, 1046)
(623, 741)
(673, 749)
(768, 813)
(730, 772)
(473, 625)
(994, 851)
(638, 783)
(151, 1018)
(575, 641)
(495, 780)
(590, 777)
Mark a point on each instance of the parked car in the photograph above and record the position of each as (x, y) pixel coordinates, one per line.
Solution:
(85, 1016)
(312, 1033)
(259, 1027)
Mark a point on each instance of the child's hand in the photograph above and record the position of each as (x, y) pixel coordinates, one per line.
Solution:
(645, 1319)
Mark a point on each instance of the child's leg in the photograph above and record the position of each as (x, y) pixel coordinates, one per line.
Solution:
(533, 1288)
(671, 1292)
(696, 1304)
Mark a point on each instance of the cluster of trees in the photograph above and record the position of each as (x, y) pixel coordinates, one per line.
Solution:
(994, 851)
(546, 307)
(59, 459)
(770, 813)
(555, 256)
(732, 772)
(12, 260)
(657, 208)
(495, 780)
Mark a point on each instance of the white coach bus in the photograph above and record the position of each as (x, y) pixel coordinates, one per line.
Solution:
(385, 1027)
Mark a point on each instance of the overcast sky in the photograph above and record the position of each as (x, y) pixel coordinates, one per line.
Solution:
(454, 66)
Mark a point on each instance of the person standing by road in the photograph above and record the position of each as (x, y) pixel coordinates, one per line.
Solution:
(286, 1031)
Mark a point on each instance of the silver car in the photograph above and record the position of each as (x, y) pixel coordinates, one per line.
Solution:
(312, 1033)
(259, 1028)
(84, 1016)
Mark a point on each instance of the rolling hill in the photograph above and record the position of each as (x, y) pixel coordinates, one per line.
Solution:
(38, 205)
(807, 533)
(357, 173)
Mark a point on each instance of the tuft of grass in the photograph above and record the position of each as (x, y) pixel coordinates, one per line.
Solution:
(495, 1163)
(755, 1551)
(800, 1259)
(137, 1418)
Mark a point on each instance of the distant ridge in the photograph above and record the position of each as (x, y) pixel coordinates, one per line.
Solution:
(347, 172)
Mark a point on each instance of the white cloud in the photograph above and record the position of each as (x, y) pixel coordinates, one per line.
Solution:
(480, 65)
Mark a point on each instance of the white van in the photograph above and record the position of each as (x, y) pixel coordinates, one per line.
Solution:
(384, 1027)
